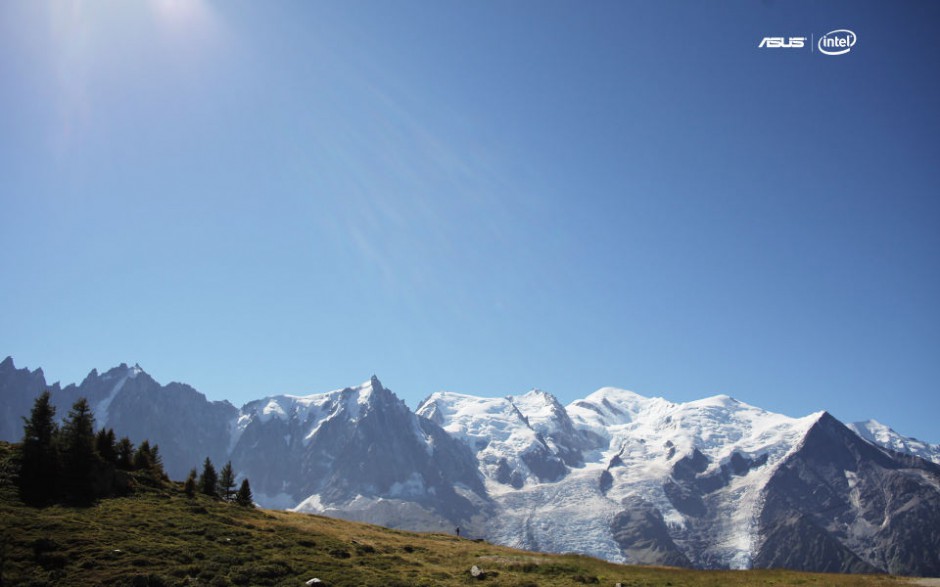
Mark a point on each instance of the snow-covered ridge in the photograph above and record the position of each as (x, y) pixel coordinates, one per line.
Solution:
(308, 410)
(518, 440)
(882, 435)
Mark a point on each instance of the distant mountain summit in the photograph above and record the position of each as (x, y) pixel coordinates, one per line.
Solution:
(517, 441)
(879, 434)
(712, 483)
(359, 453)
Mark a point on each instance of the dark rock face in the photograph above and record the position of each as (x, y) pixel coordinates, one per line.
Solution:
(795, 542)
(559, 434)
(545, 464)
(686, 468)
(384, 453)
(739, 464)
(686, 498)
(644, 538)
(180, 420)
(606, 481)
(841, 504)
(19, 389)
(187, 427)
(348, 447)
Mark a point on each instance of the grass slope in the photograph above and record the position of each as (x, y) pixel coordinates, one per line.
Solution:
(158, 536)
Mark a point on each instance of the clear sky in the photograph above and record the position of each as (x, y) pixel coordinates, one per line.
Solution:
(482, 196)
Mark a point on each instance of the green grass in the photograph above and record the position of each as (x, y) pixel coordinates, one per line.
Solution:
(158, 536)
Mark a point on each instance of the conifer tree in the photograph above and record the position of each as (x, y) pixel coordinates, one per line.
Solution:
(41, 465)
(142, 457)
(190, 486)
(105, 445)
(208, 480)
(156, 462)
(81, 462)
(244, 497)
(125, 454)
(227, 482)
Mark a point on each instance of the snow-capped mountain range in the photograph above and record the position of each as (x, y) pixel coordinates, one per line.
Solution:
(713, 483)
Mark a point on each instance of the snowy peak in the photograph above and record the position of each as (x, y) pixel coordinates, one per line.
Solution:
(122, 371)
(540, 409)
(550, 420)
(610, 406)
(715, 424)
(350, 403)
(884, 436)
(483, 424)
(355, 452)
(507, 440)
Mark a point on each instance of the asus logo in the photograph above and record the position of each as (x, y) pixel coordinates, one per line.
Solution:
(782, 43)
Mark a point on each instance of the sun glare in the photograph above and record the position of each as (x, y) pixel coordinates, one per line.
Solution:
(184, 13)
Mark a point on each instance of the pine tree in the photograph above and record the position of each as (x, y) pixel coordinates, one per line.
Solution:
(125, 454)
(105, 445)
(82, 464)
(208, 481)
(190, 486)
(156, 462)
(227, 482)
(142, 457)
(244, 497)
(41, 465)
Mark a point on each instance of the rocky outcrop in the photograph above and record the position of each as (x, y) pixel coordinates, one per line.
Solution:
(643, 536)
(841, 504)
(355, 451)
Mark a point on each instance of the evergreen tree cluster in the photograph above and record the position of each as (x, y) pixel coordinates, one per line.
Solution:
(220, 485)
(76, 465)
(73, 463)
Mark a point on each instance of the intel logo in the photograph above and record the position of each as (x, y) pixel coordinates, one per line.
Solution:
(837, 42)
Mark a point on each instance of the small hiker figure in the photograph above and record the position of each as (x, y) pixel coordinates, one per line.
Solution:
(458, 532)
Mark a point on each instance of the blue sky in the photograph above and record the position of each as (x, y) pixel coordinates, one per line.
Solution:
(484, 197)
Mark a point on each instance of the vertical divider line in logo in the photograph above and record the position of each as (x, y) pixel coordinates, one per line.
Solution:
(812, 42)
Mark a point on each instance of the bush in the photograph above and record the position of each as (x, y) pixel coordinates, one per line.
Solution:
(147, 581)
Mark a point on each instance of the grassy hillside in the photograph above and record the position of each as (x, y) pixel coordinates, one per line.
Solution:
(158, 536)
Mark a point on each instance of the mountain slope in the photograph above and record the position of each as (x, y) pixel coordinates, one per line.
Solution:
(866, 508)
